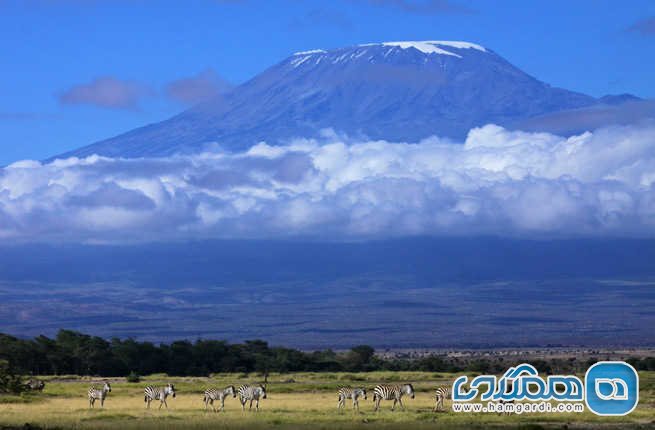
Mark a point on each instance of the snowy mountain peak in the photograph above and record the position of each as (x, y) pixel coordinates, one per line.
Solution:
(383, 51)
(433, 46)
(310, 52)
(425, 46)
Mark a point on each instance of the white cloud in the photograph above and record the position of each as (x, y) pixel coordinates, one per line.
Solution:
(498, 182)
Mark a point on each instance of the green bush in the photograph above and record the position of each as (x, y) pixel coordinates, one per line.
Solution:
(133, 377)
(9, 381)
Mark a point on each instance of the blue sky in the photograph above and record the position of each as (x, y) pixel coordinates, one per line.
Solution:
(57, 55)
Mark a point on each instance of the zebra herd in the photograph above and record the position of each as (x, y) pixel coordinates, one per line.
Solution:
(246, 393)
(253, 393)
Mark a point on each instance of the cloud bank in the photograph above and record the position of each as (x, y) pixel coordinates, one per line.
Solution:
(106, 92)
(645, 27)
(199, 88)
(499, 182)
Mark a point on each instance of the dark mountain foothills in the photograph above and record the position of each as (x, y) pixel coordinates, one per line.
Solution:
(398, 91)
(442, 292)
(426, 260)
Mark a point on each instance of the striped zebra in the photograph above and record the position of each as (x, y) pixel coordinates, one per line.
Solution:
(441, 393)
(35, 385)
(250, 393)
(212, 394)
(96, 394)
(158, 393)
(350, 393)
(392, 392)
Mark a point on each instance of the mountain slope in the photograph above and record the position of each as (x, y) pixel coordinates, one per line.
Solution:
(401, 91)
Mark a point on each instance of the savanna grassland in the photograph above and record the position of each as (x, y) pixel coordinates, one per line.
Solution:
(295, 400)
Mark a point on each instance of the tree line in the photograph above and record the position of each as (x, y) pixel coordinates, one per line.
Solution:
(71, 352)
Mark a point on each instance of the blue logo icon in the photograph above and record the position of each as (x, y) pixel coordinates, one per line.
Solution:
(612, 388)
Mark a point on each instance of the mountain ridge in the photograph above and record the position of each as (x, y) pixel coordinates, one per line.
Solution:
(398, 91)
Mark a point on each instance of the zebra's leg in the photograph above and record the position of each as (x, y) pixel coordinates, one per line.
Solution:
(243, 404)
(400, 402)
(91, 402)
(250, 407)
(377, 404)
(102, 402)
(355, 405)
(257, 404)
(222, 408)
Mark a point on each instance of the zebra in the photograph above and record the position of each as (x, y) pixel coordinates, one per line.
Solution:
(392, 392)
(35, 385)
(96, 394)
(158, 393)
(251, 392)
(350, 393)
(442, 392)
(212, 394)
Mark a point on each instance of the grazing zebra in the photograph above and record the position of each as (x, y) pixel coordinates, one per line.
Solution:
(158, 393)
(350, 393)
(96, 394)
(442, 392)
(212, 394)
(251, 392)
(392, 392)
(35, 385)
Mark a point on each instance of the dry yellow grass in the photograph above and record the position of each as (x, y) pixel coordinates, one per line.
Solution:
(310, 401)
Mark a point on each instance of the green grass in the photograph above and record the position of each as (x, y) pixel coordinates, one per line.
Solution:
(310, 401)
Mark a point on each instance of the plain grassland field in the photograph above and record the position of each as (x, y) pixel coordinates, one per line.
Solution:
(295, 400)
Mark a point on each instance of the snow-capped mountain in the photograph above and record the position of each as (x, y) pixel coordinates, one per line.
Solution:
(401, 91)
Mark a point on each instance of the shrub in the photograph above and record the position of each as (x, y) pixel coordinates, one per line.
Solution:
(9, 381)
(133, 377)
